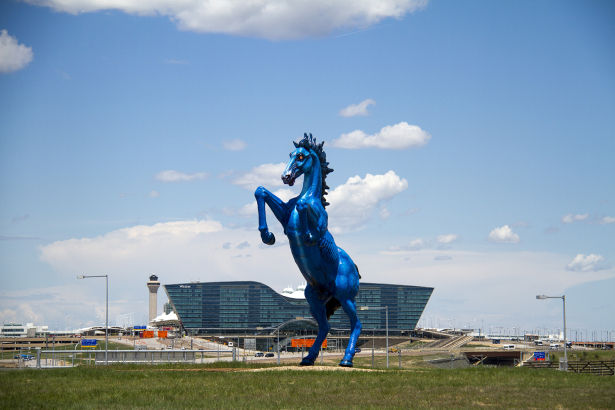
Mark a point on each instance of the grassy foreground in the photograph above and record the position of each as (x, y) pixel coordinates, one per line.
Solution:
(233, 386)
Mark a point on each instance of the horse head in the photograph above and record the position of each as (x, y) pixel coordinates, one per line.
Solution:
(301, 162)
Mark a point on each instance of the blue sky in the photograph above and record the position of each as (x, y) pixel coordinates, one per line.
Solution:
(504, 179)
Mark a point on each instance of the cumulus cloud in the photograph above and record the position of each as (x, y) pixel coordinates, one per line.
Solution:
(606, 220)
(357, 109)
(234, 145)
(176, 251)
(270, 19)
(442, 258)
(415, 245)
(503, 235)
(399, 136)
(587, 263)
(13, 56)
(176, 176)
(266, 175)
(384, 213)
(570, 218)
(354, 203)
(445, 239)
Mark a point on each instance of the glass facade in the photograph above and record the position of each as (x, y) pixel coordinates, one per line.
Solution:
(238, 306)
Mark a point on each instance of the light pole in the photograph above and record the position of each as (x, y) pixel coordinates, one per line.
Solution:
(386, 308)
(106, 309)
(563, 298)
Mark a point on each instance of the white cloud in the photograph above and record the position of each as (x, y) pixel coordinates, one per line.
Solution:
(176, 176)
(153, 194)
(409, 212)
(270, 19)
(234, 145)
(13, 56)
(178, 62)
(607, 220)
(357, 109)
(175, 251)
(354, 203)
(415, 245)
(384, 213)
(570, 218)
(399, 136)
(266, 175)
(503, 235)
(450, 238)
(443, 258)
(583, 263)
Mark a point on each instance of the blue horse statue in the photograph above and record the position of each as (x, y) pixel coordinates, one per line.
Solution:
(332, 277)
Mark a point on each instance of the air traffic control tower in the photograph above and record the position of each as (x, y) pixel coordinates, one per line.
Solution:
(153, 286)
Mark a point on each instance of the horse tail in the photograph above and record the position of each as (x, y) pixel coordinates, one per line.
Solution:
(357, 268)
(332, 305)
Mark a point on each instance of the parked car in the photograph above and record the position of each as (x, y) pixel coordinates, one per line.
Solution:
(357, 350)
(269, 354)
(259, 354)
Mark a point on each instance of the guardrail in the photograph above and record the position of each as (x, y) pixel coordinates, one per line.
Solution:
(49, 359)
(595, 367)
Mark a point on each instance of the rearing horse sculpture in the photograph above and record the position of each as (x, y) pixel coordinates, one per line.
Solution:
(332, 277)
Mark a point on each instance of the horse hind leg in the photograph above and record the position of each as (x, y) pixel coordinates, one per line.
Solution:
(318, 310)
(350, 308)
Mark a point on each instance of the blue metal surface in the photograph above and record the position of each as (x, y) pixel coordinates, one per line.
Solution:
(88, 342)
(332, 277)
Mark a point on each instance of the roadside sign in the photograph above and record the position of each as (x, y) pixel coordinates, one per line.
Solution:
(539, 356)
(139, 327)
(88, 342)
(306, 343)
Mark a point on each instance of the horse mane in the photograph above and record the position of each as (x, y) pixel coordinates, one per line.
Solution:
(309, 143)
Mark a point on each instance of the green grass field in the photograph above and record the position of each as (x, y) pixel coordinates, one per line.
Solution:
(237, 386)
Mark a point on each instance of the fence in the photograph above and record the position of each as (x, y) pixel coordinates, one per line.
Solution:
(47, 359)
(595, 367)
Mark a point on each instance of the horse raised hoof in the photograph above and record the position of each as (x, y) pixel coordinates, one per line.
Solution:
(306, 362)
(346, 363)
(267, 237)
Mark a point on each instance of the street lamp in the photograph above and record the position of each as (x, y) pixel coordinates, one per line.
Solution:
(386, 308)
(563, 298)
(106, 309)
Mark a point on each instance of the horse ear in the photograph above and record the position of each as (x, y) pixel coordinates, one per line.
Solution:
(296, 145)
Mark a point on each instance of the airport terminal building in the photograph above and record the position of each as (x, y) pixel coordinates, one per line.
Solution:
(245, 307)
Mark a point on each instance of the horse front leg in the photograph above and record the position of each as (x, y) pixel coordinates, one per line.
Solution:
(279, 208)
(303, 209)
(318, 309)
